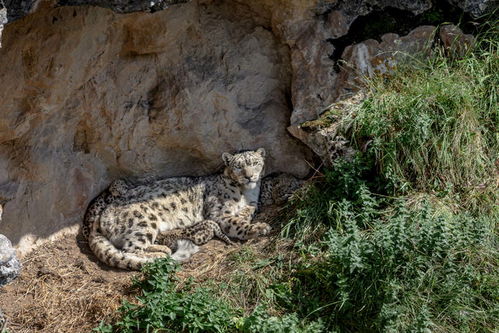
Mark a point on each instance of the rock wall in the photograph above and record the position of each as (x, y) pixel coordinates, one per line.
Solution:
(90, 95)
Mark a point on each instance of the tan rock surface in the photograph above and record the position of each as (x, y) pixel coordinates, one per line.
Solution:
(307, 27)
(89, 95)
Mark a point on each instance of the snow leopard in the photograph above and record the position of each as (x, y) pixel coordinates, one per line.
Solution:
(277, 188)
(124, 233)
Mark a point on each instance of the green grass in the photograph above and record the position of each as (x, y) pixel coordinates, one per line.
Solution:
(402, 238)
(393, 264)
(434, 125)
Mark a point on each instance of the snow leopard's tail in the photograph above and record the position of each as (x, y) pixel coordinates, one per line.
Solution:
(109, 254)
(218, 232)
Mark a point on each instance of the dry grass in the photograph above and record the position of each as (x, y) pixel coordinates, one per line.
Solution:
(63, 288)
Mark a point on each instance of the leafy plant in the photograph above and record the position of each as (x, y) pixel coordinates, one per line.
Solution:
(411, 269)
(261, 322)
(161, 307)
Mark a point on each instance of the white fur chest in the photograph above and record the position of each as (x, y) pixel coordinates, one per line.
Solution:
(250, 195)
(247, 197)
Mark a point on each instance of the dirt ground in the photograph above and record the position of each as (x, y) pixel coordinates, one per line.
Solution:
(64, 288)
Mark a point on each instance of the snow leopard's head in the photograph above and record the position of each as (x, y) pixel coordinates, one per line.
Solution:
(245, 168)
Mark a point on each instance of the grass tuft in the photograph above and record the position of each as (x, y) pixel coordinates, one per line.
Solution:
(433, 126)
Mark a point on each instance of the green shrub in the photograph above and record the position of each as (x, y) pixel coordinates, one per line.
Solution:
(163, 308)
(315, 210)
(410, 269)
(261, 322)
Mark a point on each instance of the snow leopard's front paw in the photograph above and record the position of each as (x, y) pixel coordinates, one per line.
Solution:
(259, 229)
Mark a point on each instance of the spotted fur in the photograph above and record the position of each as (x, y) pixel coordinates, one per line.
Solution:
(3, 322)
(277, 189)
(117, 188)
(199, 233)
(125, 232)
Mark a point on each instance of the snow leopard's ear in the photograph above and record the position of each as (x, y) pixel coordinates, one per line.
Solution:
(226, 157)
(261, 151)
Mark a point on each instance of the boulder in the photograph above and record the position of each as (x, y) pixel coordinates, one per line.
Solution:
(454, 41)
(10, 267)
(371, 57)
(324, 135)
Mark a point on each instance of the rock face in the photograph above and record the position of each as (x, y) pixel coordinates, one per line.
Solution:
(476, 8)
(372, 57)
(20, 8)
(89, 95)
(365, 59)
(3, 22)
(308, 27)
(125, 6)
(16, 8)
